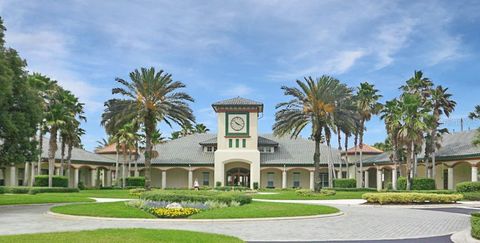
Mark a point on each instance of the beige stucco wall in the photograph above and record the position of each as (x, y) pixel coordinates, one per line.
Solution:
(177, 178)
(198, 174)
(277, 177)
(462, 172)
(304, 178)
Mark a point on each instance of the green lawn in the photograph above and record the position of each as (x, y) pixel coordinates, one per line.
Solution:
(252, 210)
(82, 196)
(121, 235)
(292, 195)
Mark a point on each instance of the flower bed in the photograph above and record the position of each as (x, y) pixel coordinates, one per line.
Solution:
(196, 196)
(173, 212)
(309, 193)
(411, 198)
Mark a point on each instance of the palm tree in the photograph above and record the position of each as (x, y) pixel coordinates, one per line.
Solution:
(150, 97)
(392, 116)
(413, 126)
(126, 138)
(314, 103)
(201, 128)
(441, 104)
(73, 139)
(102, 143)
(475, 115)
(367, 105)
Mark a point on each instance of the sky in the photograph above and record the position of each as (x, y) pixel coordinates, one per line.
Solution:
(224, 49)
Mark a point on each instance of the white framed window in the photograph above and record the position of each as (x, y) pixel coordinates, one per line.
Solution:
(270, 177)
(266, 149)
(296, 179)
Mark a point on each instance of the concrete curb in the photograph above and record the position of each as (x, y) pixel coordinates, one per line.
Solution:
(59, 215)
(463, 236)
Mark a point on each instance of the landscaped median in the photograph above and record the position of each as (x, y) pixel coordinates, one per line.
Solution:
(121, 235)
(193, 205)
(411, 198)
(475, 221)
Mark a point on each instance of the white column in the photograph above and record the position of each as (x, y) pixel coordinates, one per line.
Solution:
(474, 173)
(109, 177)
(219, 173)
(394, 179)
(365, 177)
(13, 176)
(26, 174)
(164, 179)
(429, 173)
(75, 177)
(254, 174)
(190, 179)
(93, 177)
(379, 179)
(450, 178)
(284, 179)
(312, 180)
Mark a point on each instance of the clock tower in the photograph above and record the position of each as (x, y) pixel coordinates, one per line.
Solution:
(237, 159)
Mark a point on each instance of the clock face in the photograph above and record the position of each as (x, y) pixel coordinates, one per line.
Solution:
(237, 123)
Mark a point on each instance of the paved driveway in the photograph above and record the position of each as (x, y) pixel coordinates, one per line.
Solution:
(358, 223)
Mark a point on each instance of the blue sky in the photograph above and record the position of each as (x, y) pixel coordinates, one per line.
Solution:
(222, 49)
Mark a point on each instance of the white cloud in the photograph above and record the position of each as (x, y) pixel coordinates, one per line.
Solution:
(238, 90)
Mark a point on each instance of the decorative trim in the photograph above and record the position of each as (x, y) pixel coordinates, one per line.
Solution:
(227, 125)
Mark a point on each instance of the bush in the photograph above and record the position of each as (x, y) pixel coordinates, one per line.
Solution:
(417, 183)
(137, 191)
(475, 222)
(471, 196)
(81, 186)
(232, 188)
(328, 192)
(427, 191)
(411, 198)
(468, 186)
(309, 193)
(255, 186)
(2, 190)
(197, 196)
(57, 181)
(338, 189)
(135, 181)
(35, 190)
(218, 184)
(344, 183)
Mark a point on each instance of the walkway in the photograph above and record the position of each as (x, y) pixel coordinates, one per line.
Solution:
(358, 223)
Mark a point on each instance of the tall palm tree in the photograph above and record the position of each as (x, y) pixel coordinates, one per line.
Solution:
(367, 105)
(392, 116)
(413, 126)
(102, 143)
(73, 139)
(313, 103)
(201, 128)
(126, 138)
(150, 97)
(441, 104)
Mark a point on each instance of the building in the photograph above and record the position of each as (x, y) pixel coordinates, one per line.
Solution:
(238, 155)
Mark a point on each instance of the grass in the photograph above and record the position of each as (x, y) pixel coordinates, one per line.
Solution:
(121, 235)
(82, 196)
(252, 210)
(265, 210)
(292, 195)
(113, 210)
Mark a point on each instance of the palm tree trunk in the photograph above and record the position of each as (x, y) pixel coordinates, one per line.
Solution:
(52, 149)
(346, 156)
(40, 148)
(129, 162)
(339, 138)
(62, 160)
(433, 164)
(409, 166)
(123, 165)
(116, 164)
(316, 161)
(149, 130)
(362, 123)
(69, 160)
(136, 158)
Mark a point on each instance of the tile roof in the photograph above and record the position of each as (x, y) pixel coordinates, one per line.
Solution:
(237, 101)
(262, 141)
(187, 150)
(367, 149)
(78, 154)
(109, 149)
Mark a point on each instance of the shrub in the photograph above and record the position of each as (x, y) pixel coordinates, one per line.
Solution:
(57, 181)
(81, 186)
(218, 184)
(173, 212)
(428, 191)
(417, 183)
(468, 186)
(135, 181)
(472, 196)
(232, 188)
(196, 196)
(35, 190)
(255, 186)
(338, 189)
(410, 198)
(328, 192)
(137, 191)
(17, 189)
(344, 183)
(475, 221)
(309, 193)
(2, 190)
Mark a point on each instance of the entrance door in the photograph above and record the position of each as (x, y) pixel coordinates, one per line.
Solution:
(238, 177)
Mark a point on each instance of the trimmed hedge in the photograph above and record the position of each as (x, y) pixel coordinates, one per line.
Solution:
(135, 181)
(427, 191)
(344, 183)
(35, 190)
(196, 196)
(468, 186)
(471, 196)
(57, 181)
(475, 222)
(410, 198)
(352, 189)
(2, 190)
(417, 183)
(232, 188)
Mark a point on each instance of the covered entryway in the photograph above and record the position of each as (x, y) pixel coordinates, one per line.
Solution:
(237, 174)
